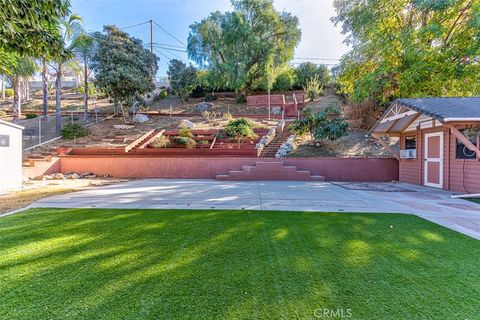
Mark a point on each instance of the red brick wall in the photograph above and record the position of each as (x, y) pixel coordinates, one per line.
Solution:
(333, 169)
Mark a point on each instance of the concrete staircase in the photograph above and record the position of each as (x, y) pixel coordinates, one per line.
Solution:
(271, 149)
(266, 170)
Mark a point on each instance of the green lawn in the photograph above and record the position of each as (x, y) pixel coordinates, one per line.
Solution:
(166, 264)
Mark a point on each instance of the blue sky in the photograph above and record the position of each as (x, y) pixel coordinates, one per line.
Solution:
(320, 39)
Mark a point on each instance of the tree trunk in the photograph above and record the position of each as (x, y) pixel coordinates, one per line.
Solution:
(3, 88)
(17, 100)
(85, 95)
(27, 89)
(45, 87)
(58, 100)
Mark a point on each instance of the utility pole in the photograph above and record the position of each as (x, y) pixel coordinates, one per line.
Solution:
(151, 35)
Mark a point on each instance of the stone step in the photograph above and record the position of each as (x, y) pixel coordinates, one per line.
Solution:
(269, 170)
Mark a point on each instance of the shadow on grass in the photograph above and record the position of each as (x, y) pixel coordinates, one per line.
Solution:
(150, 264)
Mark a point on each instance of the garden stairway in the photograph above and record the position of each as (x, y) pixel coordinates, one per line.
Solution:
(267, 170)
(271, 149)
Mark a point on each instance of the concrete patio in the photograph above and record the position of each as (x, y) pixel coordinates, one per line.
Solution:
(429, 203)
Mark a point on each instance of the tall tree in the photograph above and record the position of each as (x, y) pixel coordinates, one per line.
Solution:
(45, 79)
(242, 44)
(84, 48)
(306, 71)
(409, 48)
(21, 69)
(123, 68)
(71, 28)
(183, 79)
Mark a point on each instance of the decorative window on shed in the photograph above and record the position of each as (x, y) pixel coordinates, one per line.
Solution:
(462, 152)
(410, 143)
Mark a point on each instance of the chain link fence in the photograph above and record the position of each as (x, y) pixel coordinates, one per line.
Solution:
(42, 129)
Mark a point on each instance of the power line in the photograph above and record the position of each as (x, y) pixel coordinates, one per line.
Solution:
(169, 49)
(135, 25)
(158, 51)
(171, 35)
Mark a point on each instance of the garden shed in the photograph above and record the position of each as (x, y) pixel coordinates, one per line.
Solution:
(10, 156)
(439, 141)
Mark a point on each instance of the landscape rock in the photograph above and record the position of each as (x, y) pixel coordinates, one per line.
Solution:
(58, 176)
(88, 175)
(48, 176)
(184, 123)
(276, 110)
(141, 118)
(286, 147)
(39, 178)
(72, 175)
(202, 106)
(123, 126)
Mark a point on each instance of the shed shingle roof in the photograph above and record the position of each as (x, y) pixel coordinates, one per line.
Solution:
(445, 108)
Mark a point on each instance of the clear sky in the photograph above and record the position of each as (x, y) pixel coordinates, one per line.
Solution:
(320, 39)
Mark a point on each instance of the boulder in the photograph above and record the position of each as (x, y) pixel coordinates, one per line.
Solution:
(202, 106)
(184, 123)
(58, 176)
(140, 118)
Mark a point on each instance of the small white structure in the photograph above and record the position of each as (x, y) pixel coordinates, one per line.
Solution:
(10, 156)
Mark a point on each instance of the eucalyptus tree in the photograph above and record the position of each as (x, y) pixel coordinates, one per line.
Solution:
(245, 43)
(409, 48)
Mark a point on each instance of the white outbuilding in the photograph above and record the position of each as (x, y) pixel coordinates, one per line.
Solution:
(10, 156)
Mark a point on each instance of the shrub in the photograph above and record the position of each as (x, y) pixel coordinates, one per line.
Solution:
(241, 99)
(204, 142)
(313, 89)
(74, 130)
(9, 92)
(160, 142)
(210, 97)
(189, 143)
(3, 113)
(323, 125)
(227, 116)
(240, 128)
(284, 81)
(31, 116)
(185, 132)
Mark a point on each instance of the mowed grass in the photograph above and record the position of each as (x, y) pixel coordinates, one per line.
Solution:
(173, 264)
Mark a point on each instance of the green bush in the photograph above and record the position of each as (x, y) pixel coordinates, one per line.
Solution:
(324, 125)
(241, 99)
(160, 142)
(31, 116)
(239, 128)
(189, 143)
(284, 81)
(313, 89)
(210, 97)
(3, 113)
(9, 92)
(74, 130)
(185, 132)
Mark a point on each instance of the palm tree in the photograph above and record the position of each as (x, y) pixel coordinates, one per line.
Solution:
(19, 72)
(45, 78)
(72, 28)
(84, 48)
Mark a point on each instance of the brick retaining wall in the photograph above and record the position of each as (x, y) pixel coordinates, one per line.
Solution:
(137, 166)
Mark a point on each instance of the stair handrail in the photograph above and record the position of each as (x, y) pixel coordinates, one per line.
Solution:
(214, 140)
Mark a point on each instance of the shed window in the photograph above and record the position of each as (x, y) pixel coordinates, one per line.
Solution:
(410, 143)
(462, 152)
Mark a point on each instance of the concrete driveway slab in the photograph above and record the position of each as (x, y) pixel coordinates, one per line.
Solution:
(432, 204)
